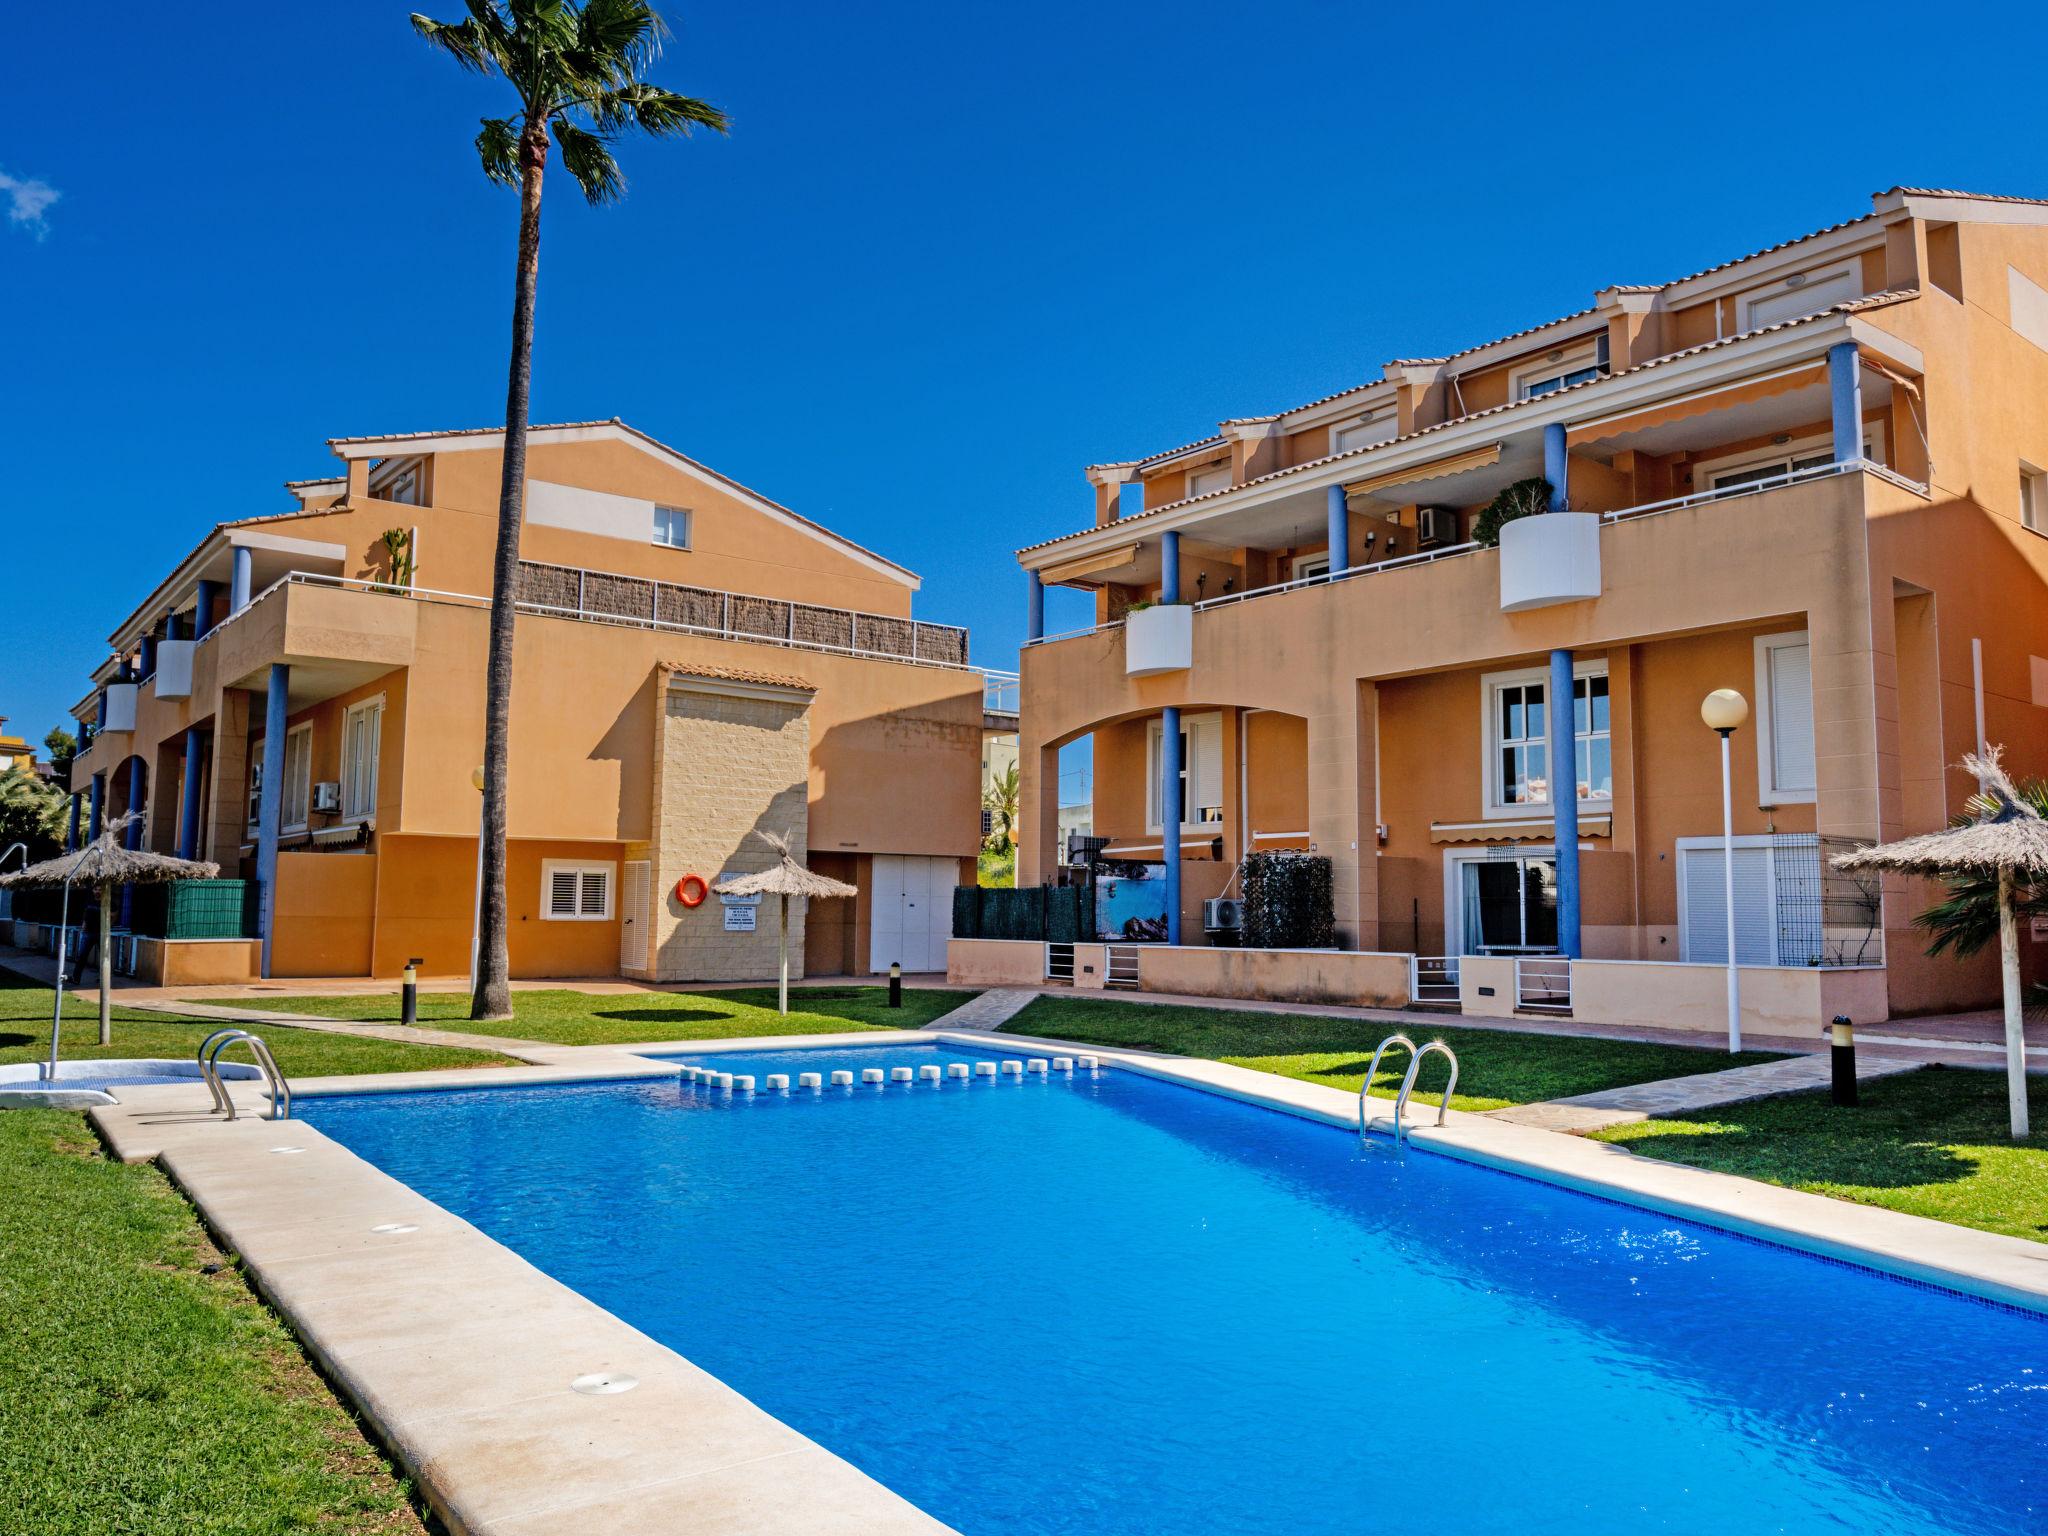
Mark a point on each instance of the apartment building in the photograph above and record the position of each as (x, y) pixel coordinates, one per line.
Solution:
(1814, 474)
(301, 700)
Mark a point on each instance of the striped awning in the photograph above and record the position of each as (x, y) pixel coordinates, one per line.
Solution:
(1435, 469)
(1724, 398)
(1533, 829)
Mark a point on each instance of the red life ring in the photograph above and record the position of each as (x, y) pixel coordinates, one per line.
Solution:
(683, 890)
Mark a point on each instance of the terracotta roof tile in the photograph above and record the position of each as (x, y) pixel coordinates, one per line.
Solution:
(740, 675)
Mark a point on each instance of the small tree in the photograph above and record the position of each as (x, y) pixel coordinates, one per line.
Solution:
(1525, 498)
(62, 747)
(999, 797)
(32, 812)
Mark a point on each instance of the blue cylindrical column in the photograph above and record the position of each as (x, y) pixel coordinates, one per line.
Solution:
(1169, 567)
(147, 666)
(100, 719)
(202, 609)
(71, 835)
(188, 803)
(1034, 620)
(270, 803)
(1171, 812)
(1556, 466)
(1340, 529)
(1845, 390)
(1564, 799)
(99, 794)
(131, 835)
(238, 588)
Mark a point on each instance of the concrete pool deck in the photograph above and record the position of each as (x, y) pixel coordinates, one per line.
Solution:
(460, 1354)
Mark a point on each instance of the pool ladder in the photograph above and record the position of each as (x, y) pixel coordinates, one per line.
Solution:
(209, 1068)
(1415, 1057)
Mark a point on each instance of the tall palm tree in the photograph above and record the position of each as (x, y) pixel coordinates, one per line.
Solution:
(576, 71)
(999, 798)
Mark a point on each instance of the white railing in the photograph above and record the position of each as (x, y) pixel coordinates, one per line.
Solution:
(1001, 693)
(1543, 984)
(1433, 978)
(1075, 634)
(996, 681)
(1329, 578)
(1767, 483)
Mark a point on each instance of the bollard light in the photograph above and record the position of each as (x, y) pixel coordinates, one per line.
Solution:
(895, 983)
(409, 994)
(1842, 1061)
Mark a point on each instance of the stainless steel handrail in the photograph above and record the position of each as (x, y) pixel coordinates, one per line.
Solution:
(1408, 1084)
(1373, 1071)
(274, 1080)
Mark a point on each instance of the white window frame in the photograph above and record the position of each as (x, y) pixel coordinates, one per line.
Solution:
(1211, 470)
(1377, 419)
(352, 809)
(1703, 473)
(1301, 567)
(2033, 499)
(549, 868)
(662, 512)
(1522, 381)
(302, 734)
(1769, 792)
(1496, 809)
(1455, 860)
(1191, 726)
(1777, 288)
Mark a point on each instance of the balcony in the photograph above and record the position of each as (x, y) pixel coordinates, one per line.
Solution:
(1159, 639)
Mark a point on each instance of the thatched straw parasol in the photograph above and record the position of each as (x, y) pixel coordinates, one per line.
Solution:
(785, 878)
(2007, 839)
(103, 864)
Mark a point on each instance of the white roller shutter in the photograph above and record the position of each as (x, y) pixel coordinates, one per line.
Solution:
(1791, 680)
(1703, 922)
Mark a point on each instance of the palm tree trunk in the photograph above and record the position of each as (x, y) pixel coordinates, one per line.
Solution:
(493, 999)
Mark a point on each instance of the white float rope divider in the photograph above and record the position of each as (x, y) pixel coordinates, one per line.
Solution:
(1009, 1067)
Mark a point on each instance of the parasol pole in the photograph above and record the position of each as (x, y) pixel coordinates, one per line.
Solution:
(783, 999)
(2015, 1023)
(106, 958)
(63, 944)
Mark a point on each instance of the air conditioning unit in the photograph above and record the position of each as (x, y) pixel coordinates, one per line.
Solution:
(327, 797)
(1222, 914)
(1436, 526)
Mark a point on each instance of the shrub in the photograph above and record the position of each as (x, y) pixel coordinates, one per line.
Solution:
(1287, 902)
(1525, 498)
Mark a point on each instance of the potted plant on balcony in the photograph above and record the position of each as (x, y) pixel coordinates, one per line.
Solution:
(1525, 498)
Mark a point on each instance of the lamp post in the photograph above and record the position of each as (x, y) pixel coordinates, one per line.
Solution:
(476, 911)
(1723, 710)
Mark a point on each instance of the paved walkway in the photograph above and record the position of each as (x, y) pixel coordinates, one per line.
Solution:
(989, 1011)
(1703, 1090)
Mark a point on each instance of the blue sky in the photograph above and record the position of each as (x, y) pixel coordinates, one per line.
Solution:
(947, 256)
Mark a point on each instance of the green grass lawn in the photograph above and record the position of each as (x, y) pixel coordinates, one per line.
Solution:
(564, 1017)
(1496, 1068)
(146, 1396)
(1932, 1143)
(25, 1036)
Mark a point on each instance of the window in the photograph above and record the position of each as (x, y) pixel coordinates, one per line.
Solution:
(397, 480)
(1372, 427)
(1301, 567)
(1778, 905)
(298, 780)
(362, 734)
(1784, 735)
(1202, 481)
(1560, 370)
(1201, 772)
(1803, 293)
(1504, 901)
(2033, 498)
(672, 527)
(1518, 738)
(575, 892)
(1732, 473)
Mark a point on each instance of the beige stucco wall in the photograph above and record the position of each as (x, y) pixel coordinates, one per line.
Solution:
(1775, 1000)
(731, 763)
(995, 962)
(1277, 975)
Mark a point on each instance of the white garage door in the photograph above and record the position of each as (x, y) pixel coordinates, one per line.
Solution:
(911, 903)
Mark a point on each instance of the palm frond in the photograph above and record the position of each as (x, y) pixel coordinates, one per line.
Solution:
(470, 43)
(653, 111)
(497, 146)
(588, 158)
(616, 40)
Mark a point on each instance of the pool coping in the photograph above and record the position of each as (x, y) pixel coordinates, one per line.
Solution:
(458, 1353)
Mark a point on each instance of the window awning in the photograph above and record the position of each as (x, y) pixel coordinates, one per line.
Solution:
(1435, 469)
(1744, 393)
(1088, 565)
(1505, 831)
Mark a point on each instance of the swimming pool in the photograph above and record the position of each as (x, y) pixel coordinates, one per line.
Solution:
(1098, 1304)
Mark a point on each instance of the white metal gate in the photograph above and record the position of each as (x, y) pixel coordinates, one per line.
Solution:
(635, 910)
(910, 911)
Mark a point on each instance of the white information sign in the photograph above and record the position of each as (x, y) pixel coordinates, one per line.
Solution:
(739, 919)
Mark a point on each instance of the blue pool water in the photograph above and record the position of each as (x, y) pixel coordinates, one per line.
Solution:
(1115, 1305)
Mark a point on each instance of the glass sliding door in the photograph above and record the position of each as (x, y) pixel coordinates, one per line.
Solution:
(1508, 904)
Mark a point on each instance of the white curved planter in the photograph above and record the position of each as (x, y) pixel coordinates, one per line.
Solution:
(1551, 558)
(120, 707)
(1159, 639)
(174, 668)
